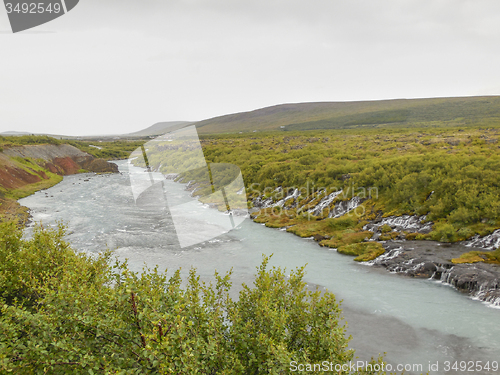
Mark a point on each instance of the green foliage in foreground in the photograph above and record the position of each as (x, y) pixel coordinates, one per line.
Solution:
(68, 313)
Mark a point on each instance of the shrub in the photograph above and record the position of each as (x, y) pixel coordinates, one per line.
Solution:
(385, 228)
(411, 236)
(444, 232)
(342, 222)
(63, 312)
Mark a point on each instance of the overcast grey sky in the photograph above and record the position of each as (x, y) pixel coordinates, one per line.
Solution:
(117, 66)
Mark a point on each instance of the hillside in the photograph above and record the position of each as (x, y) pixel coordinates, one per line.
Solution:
(464, 111)
(13, 133)
(25, 169)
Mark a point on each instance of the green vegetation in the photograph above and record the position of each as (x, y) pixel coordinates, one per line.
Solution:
(28, 140)
(363, 252)
(62, 312)
(108, 150)
(479, 256)
(341, 222)
(449, 174)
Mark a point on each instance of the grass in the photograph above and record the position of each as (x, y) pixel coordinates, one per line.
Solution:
(32, 168)
(364, 251)
(492, 257)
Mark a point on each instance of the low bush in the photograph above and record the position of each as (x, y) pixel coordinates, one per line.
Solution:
(62, 312)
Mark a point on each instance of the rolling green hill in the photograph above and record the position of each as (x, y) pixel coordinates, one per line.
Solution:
(434, 112)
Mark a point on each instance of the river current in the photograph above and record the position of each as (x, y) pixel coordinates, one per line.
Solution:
(416, 322)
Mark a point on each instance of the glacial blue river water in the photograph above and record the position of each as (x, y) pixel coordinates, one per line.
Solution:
(416, 322)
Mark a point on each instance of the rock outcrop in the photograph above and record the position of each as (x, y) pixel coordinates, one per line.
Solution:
(489, 242)
(432, 260)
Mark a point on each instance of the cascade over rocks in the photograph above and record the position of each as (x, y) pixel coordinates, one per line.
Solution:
(432, 260)
(420, 259)
(324, 203)
(489, 242)
(343, 207)
(339, 209)
(404, 223)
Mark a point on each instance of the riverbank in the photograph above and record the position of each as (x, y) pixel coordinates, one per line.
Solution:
(433, 260)
(29, 168)
(400, 244)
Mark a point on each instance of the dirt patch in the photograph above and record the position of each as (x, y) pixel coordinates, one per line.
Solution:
(14, 178)
(57, 159)
(67, 164)
(101, 166)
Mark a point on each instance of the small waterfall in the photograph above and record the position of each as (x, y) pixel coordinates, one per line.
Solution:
(324, 203)
(171, 176)
(409, 223)
(341, 208)
(263, 203)
(391, 254)
(447, 276)
(474, 283)
(489, 242)
(282, 202)
(491, 297)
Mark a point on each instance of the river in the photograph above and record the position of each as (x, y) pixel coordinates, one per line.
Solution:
(416, 322)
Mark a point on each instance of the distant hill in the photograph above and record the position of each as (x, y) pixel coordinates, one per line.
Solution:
(159, 128)
(480, 110)
(12, 133)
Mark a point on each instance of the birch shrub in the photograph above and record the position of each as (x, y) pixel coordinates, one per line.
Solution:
(67, 313)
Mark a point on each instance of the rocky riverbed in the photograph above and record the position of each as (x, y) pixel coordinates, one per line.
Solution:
(432, 260)
(421, 259)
